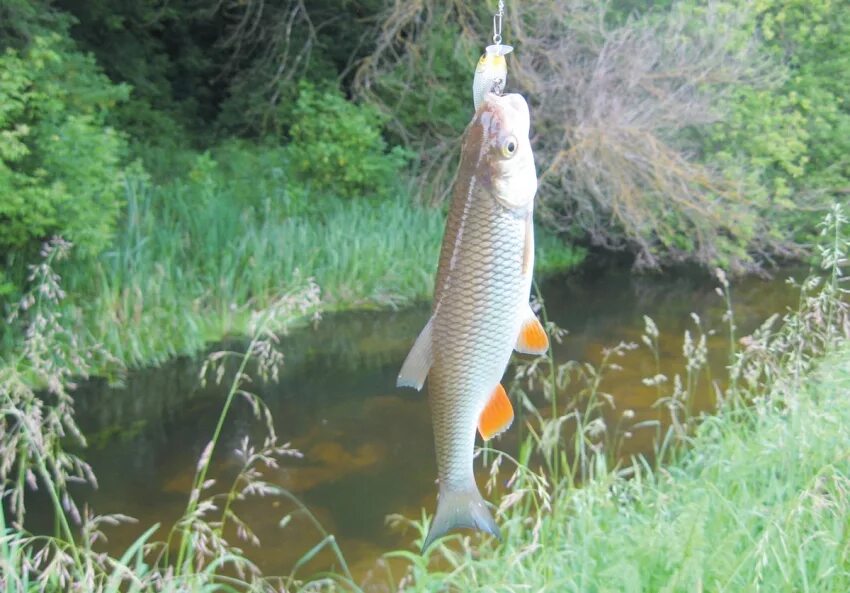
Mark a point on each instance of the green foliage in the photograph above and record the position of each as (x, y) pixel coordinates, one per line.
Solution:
(789, 141)
(60, 164)
(420, 78)
(437, 100)
(337, 149)
(813, 39)
(195, 257)
(163, 52)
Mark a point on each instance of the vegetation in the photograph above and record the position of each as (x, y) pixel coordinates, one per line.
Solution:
(713, 133)
(60, 171)
(337, 147)
(691, 131)
(171, 173)
(196, 257)
(755, 496)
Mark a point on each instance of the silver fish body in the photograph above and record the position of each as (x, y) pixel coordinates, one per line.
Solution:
(480, 301)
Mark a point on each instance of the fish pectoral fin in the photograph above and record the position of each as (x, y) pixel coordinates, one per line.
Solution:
(418, 361)
(497, 415)
(532, 338)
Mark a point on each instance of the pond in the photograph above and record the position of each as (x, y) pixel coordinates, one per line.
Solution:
(367, 446)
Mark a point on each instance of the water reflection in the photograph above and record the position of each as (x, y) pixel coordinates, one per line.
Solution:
(368, 447)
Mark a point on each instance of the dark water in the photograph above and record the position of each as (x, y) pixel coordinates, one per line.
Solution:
(367, 446)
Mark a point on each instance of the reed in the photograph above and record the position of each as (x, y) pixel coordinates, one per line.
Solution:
(197, 256)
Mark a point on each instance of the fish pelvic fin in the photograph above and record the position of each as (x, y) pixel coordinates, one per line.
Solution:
(460, 509)
(418, 361)
(532, 338)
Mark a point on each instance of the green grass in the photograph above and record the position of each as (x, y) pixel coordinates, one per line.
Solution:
(198, 255)
(759, 502)
(753, 498)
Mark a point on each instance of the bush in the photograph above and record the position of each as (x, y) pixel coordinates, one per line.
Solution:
(60, 164)
(692, 131)
(337, 148)
(794, 136)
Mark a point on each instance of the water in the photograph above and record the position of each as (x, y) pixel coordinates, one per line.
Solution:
(368, 449)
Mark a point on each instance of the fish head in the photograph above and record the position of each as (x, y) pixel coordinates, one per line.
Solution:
(506, 159)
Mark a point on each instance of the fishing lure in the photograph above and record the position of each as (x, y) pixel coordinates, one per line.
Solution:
(491, 73)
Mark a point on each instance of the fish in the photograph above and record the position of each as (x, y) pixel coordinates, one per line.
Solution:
(481, 311)
(491, 73)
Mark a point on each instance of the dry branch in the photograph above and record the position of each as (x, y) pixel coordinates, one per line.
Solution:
(619, 113)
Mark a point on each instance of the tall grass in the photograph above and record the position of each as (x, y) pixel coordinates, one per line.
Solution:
(179, 274)
(198, 255)
(200, 552)
(753, 498)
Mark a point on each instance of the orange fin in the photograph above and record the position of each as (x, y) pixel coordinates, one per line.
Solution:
(497, 415)
(532, 337)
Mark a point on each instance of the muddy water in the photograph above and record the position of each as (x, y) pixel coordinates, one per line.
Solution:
(367, 446)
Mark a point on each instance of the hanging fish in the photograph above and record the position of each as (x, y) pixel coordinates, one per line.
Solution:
(491, 73)
(481, 310)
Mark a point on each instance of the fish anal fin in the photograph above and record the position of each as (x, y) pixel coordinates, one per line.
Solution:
(418, 361)
(497, 415)
(532, 338)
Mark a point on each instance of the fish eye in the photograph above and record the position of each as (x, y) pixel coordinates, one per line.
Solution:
(509, 147)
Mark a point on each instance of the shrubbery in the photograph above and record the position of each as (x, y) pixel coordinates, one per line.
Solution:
(336, 147)
(60, 164)
(703, 131)
(710, 132)
(792, 137)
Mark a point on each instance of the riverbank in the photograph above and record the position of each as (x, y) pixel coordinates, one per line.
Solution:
(754, 497)
(199, 257)
(759, 501)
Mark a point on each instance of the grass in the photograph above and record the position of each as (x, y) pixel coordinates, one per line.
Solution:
(196, 553)
(755, 497)
(196, 256)
(759, 502)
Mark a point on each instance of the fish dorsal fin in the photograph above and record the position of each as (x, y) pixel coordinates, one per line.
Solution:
(532, 338)
(497, 415)
(418, 361)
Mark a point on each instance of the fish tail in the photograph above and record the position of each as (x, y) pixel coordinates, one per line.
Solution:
(460, 508)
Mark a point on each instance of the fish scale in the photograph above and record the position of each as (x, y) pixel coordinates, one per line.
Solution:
(480, 304)
(475, 341)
